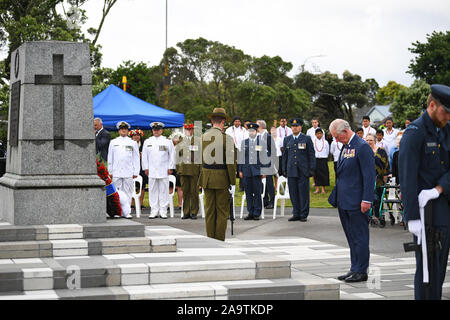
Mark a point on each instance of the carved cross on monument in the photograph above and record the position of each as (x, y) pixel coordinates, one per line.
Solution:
(58, 80)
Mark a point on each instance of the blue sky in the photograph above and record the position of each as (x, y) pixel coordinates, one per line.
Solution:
(367, 37)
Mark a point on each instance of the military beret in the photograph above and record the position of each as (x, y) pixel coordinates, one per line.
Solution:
(296, 122)
(156, 125)
(253, 126)
(441, 93)
(122, 125)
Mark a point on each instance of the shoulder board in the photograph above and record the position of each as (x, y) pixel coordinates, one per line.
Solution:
(412, 127)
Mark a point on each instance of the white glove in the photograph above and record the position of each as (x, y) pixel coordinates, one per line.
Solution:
(427, 195)
(232, 189)
(415, 227)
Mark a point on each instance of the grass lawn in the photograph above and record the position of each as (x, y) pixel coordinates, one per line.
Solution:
(316, 201)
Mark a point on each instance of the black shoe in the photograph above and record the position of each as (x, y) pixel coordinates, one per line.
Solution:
(357, 277)
(256, 218)
(194, 217)
(249, 217)
(270, 206)
(294, 218)
(303, 219)
(186, 217)
(345, 276)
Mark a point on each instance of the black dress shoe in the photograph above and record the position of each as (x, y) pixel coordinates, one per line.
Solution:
(357, 277)
(270, 206)
(294, 219)
(194, 217)
(303, 219)
(248, 217)
(345, 276)
(186, 217)
(256, 218)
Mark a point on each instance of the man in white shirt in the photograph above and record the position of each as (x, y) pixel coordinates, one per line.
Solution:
(283, 130)
(366, 127)
(237, 132)
(390, 134)
(158, 161)
(124, 164)
(312, 131)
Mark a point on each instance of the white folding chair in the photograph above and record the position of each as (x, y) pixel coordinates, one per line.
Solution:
(137, 196)
(262, 200)
(281, 184)
(201, 196)
(172, 179)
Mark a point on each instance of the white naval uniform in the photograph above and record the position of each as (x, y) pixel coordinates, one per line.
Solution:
(368, 130)
(158, 157)
(124, 163)
(238, 134)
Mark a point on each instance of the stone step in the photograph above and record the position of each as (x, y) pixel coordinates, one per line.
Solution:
(114, 228)
(82, 247)
(142, 269)
(260, 289)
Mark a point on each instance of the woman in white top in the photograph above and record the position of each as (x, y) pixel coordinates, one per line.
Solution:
(322, 150)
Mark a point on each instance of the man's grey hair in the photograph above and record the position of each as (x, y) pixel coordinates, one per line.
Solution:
(339, 125)
(99, 120)
(262, 124)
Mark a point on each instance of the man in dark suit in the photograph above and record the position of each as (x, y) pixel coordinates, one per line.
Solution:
(355, 183)
(268, 161)
(299, 163)
(102, 139)
(249, 168)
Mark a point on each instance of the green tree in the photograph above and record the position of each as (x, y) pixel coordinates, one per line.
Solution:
(432, 63)
(270, 70)
(387, 94)
(409, 101)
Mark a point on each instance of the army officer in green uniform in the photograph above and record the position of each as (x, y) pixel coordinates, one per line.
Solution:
(218, 174)
(188, 168)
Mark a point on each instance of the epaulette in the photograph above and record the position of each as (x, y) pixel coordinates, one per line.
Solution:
(412, 126)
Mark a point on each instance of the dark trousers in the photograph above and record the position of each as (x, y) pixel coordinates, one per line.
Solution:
(269, 194)
(253, 190)
(299, 194)
(356, 229)
(439, 270)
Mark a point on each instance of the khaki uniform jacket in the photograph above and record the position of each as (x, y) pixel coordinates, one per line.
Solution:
(217, 154)
(187, 159)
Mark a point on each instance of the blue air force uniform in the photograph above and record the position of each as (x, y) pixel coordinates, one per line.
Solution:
(250, 165)
(423, 164)
(299, 163)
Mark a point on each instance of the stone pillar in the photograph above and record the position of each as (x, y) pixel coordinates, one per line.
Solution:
(51, 173)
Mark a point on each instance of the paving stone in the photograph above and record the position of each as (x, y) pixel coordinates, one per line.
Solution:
(38, 284)
(134, 279)
(37, 273)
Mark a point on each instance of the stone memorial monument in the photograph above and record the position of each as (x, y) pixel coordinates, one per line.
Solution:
(51, 174)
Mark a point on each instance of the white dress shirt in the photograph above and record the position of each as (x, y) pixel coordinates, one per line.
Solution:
(238, 134)
(368, 130)
(123, 158)
(321, 147)
(158, 157)
(335, 149)
(312, 132)
(283, 132)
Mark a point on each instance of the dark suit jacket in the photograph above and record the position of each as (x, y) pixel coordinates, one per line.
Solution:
(298, 155)
(355, 175)
(102, 143)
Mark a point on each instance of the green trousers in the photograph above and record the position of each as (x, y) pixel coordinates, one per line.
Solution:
(189, 184)
(217, 211)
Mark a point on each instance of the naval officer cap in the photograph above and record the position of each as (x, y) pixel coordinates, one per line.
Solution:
(253, 126)
(156, 125)
(441, 93)
(296, 122)
(122, 125)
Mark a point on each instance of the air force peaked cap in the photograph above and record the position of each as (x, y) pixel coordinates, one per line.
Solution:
(296, 122)
(441, 93)
(253, 126)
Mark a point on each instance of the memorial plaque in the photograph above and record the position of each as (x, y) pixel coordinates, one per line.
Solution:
(14, 114)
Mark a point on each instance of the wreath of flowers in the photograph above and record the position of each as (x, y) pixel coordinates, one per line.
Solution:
(113, 207)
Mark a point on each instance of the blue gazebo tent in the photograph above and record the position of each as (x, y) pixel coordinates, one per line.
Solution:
(113, 105)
